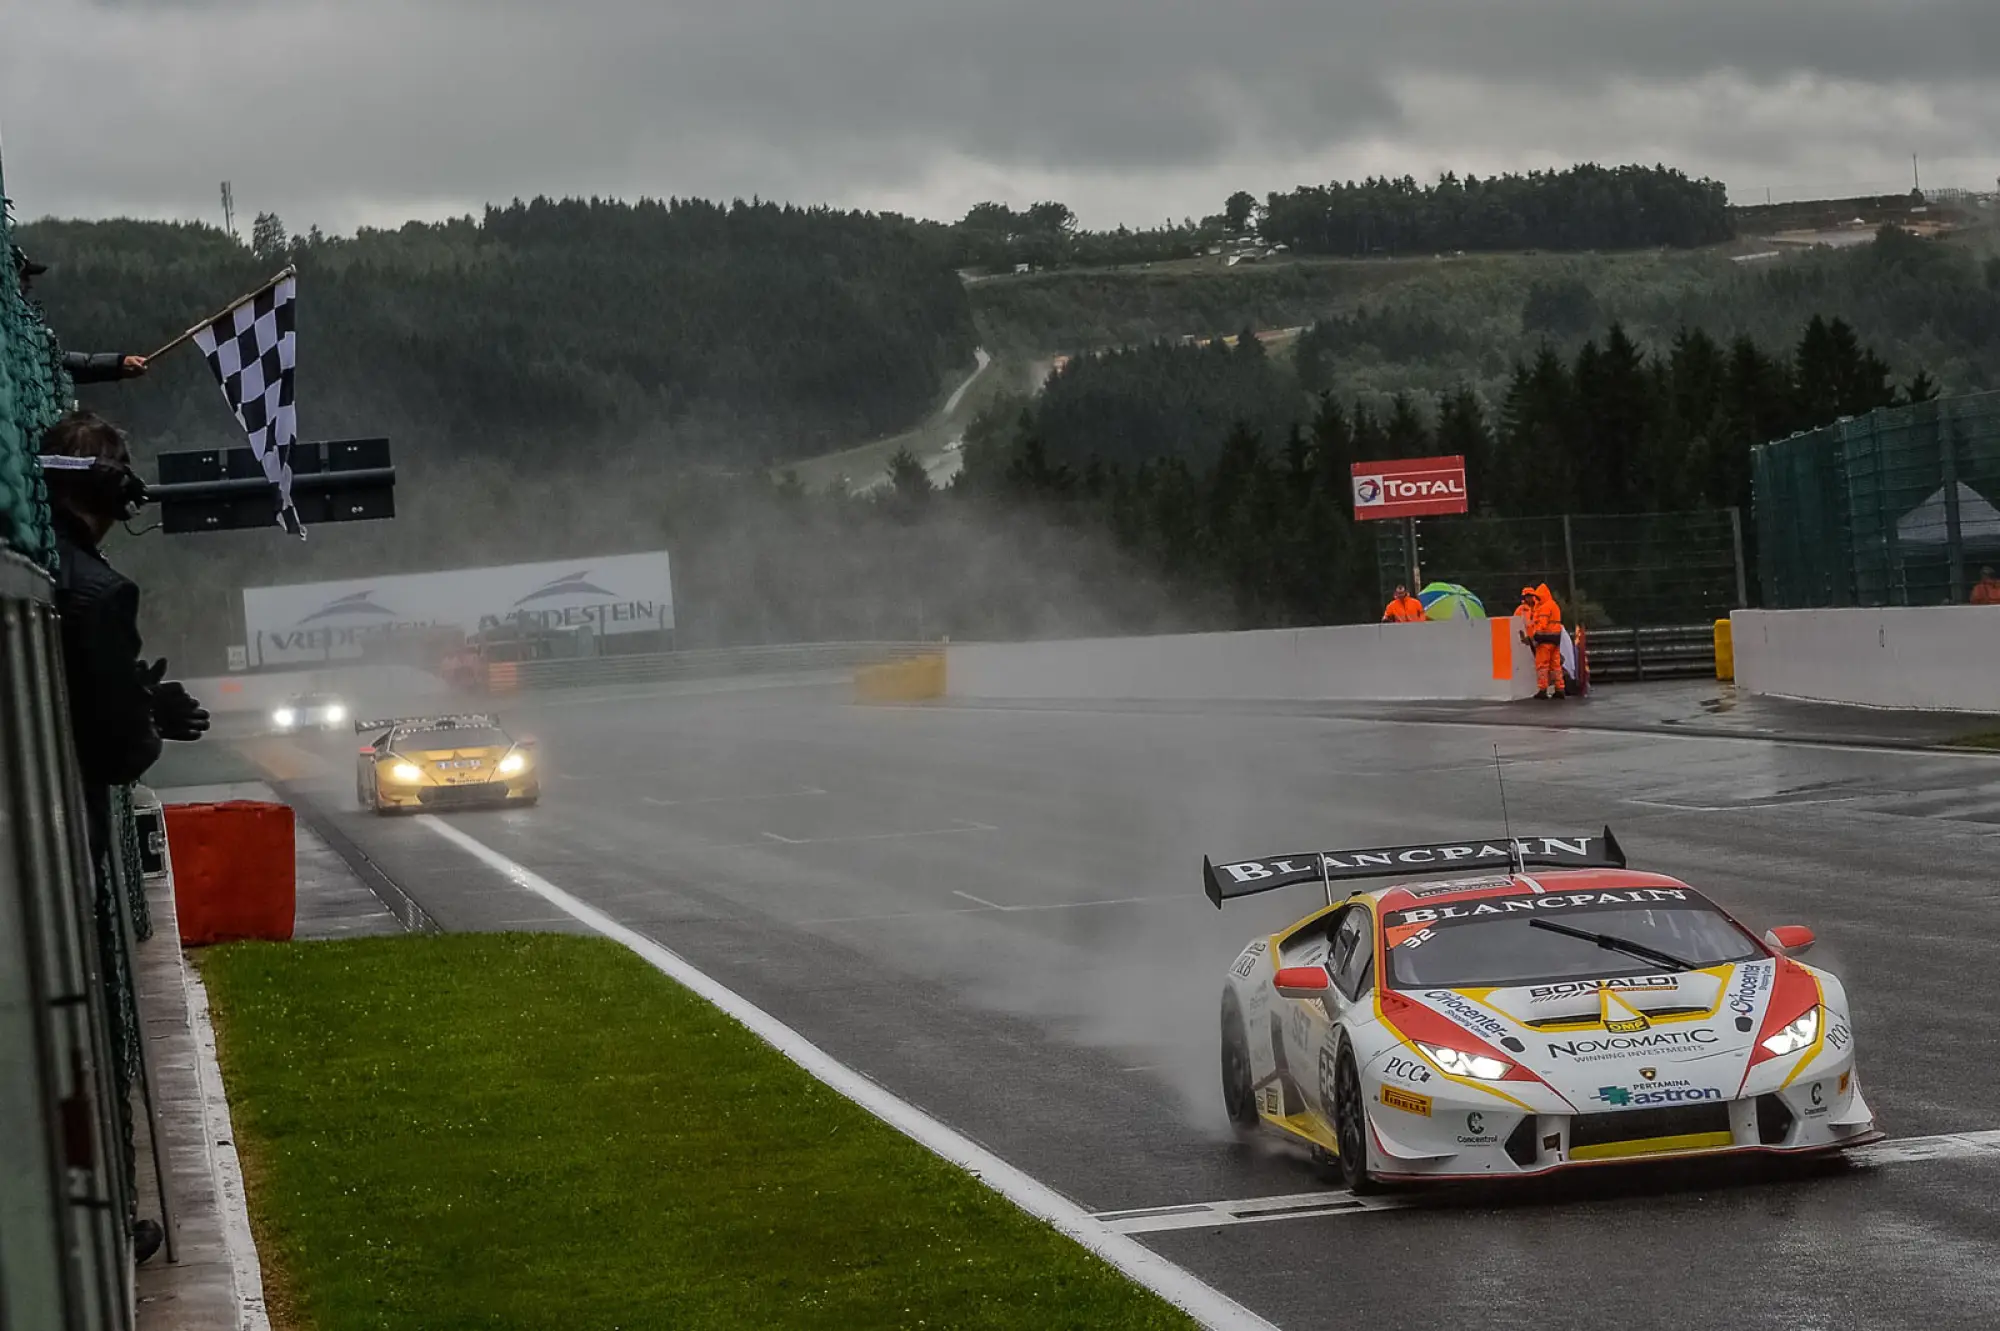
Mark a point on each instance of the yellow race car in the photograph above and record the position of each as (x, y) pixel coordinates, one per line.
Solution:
(443, 762)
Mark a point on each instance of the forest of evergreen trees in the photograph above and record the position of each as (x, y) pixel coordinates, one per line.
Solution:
(1254, 522)
(1583, 208)
(545, 332)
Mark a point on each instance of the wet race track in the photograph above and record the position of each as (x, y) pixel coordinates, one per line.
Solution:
(997, 914)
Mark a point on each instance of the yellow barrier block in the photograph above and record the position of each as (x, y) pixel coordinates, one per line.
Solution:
(914, 680)
(1725, 651)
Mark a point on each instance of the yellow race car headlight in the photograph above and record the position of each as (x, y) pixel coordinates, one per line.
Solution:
(406, 772)
(513, 764)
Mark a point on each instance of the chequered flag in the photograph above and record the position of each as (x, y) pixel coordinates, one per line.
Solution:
(252, 349)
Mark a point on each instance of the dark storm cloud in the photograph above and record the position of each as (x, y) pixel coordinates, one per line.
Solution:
(350, 110)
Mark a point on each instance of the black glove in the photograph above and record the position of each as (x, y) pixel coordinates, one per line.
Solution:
(175, 711)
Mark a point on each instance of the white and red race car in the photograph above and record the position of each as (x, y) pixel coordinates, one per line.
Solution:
(1501, 1023)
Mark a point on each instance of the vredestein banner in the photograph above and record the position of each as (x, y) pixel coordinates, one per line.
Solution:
(330, 621)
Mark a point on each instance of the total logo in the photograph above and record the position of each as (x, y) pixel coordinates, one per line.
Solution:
(1663, 1093)
(1369, 490)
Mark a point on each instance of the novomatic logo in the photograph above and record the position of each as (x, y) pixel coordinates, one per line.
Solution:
(570, 584)
(354, 603)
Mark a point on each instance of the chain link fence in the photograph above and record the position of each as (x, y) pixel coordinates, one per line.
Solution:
(1897, 507)
(1607, 570)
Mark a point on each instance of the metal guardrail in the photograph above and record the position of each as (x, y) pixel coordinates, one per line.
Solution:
(1683, 651)
(66, 1197)
(584, 672)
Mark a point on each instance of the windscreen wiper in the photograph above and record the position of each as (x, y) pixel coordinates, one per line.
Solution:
(1614, 944)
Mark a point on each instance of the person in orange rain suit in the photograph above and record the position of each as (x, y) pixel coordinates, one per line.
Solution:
(1404, 608)
(1987, 590)
(1544, 634)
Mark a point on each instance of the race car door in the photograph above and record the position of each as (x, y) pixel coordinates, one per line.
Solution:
(1351, 964)
(1310, 1025)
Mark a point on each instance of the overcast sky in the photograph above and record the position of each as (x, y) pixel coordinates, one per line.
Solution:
(370, 112)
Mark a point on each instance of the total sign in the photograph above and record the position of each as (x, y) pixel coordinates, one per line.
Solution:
(1409, 487)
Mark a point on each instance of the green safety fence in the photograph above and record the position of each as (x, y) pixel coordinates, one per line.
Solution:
(34, 391)
(1898, 507)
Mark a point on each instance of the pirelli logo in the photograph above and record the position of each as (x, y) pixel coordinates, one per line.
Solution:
(1407, 1101)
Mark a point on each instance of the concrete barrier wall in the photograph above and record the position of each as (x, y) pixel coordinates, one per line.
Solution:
(1479, 659)
(1935, 657)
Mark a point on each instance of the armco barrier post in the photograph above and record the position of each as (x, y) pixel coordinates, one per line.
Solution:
(1725, 651)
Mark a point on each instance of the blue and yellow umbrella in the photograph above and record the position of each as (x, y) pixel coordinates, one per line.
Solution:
(1448, 600)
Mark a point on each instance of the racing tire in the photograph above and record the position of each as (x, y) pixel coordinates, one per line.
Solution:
(1239, 1096)
(1350, 1114)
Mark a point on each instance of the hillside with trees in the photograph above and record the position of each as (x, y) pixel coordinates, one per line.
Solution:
(547, 332)
(577, 378)
(1586, 207)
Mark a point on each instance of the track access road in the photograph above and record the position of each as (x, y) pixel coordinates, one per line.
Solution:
(996, 913)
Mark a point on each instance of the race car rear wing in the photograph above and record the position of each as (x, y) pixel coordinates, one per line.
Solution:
(469, 719)
(1226, 882)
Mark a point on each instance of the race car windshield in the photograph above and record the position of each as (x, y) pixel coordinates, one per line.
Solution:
(1500, 950)
(431, 741)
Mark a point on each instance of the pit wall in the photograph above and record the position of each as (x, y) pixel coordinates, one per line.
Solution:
(1941, 658)
(1458, 659)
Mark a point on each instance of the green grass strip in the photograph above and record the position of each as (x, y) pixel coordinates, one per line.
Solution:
(539, 1130)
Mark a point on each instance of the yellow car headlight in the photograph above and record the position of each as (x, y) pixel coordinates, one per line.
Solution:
(513, 763)
(406, 772)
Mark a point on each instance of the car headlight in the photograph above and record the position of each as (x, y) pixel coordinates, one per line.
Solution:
(406, 772)
(1458, 1063)
(284, 716)
(335, 714)
(512, 763)
(1797, 1035)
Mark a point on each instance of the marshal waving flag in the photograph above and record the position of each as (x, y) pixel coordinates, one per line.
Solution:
(252, 348)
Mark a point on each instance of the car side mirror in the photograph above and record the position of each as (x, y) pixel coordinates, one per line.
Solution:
(1302, 982)
(1789, 939)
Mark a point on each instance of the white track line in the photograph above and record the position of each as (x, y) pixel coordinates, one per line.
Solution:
(1206, 1304)
(734, 799)
(772, 838)
(1339, 1202)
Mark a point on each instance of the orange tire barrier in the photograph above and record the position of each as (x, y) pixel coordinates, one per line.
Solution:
(235, 875)
(502, 677)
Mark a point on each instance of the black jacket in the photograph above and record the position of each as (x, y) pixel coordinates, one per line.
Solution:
(110, 706)
(95, 367)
